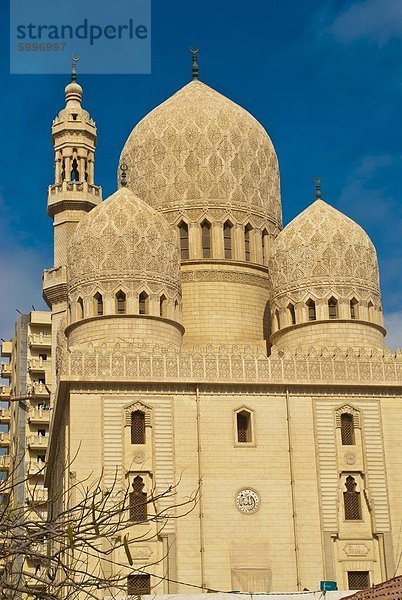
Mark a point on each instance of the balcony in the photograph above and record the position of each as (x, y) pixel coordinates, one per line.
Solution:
(6, 349)
(36, 495)
(38, 442)
(36, 468)
(5, 391)
(4, 462)
(39, 415)
(37, 365)
(40, 340)
(40, 390)
(4, 439)
(5, 416)
(6, 370)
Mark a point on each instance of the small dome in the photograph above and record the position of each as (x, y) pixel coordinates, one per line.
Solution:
(323, 247)
(73, 93)
(124, 240)
(201, 149)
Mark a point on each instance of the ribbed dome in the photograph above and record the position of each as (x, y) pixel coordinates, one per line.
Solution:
(201, 149)
(123, 239)
(322, 246)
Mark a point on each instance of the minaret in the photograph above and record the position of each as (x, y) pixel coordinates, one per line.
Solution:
(73, 193)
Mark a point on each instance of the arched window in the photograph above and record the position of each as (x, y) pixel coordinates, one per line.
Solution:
(98, 300)
(184, 241)
(176, 309)
(143, 303)
(75, 176)
(227, 238)
(333, 308)
(354, 310)
(63, 169)
(121, 303)
(311, 310)
(163, 306)
(347, 430)
(80, 308)
(370, 307)
(138, 427)
(206, 239)
(138, 501)
(292, 313)
(277, 320)
(351, 500)
(243, 423)
(265, 246)
(247, 242)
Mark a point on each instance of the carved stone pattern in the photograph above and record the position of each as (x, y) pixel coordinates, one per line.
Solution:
(199, 145)
(227, 276)
(322, 248)
(124, 239)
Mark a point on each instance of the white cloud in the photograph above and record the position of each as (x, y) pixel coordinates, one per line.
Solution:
(377, 20)
(393, 325)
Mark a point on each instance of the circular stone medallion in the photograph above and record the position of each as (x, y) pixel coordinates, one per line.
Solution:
(247, 501)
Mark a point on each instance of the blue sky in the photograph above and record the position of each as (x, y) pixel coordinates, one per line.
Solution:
(323, 76)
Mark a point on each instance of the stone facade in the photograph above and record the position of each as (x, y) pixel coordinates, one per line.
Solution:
(255, 355)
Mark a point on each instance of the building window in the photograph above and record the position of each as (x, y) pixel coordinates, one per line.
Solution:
(227, 239)
(121, 303)
(243, 422)
(292, 313)
(333, 308)
(41, 458)
(265, 246)
(138, 427)
(41, 432)
(163, 306)
(206, 239)
(144, 303)
(347, 430)
(312, 316)
(43, 356)
(98, 304)
(247, 244)
(354, 309)
(138, 501)
(138, 585)
(184, 241)
(80, 308)
(351, 500)
(358, 580)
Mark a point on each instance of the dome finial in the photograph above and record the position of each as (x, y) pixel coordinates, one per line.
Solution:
(317, 182)
(195, 68)
(75, 60)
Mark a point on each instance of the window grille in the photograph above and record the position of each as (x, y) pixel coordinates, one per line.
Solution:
(358, 580)
(227, 238)
(137, 427)
(206, 239)
(121, 303)
(243, 426)
(184, 241)
(347, 430)
(351, 499)
(247, 245)
(138, 501)
(311, 310)
(333, 308)
(138, 585)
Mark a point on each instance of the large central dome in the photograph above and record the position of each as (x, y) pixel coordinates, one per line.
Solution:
(200, 149)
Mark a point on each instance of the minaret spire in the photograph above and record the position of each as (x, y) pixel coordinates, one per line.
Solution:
(317, 182)
(75, 60)
(195, 68)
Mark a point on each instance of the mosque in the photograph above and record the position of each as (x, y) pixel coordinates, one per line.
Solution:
(197, 342)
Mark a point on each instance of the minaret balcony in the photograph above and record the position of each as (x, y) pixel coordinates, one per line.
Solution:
(55, 285)
(73, 194)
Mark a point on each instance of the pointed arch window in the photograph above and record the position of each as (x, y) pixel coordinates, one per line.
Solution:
(292, 314)
(370, 307)
(98, 300)
(351, 500)
(80, 308)
(143, 303)
(333, 308)
(244, 427)
(227, 238)
(347, 430)
(138, 501)
(138, 427)
(265, 246)
(184, 241)
(121, 303)
(247, 242)
(206, 239)
(163, 306)
(354, 309)
(75, 176)
(312, 315)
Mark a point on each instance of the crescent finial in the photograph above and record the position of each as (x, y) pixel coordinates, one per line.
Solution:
(195, 68)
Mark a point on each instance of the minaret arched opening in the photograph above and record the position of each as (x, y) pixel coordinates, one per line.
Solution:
(206, 239)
